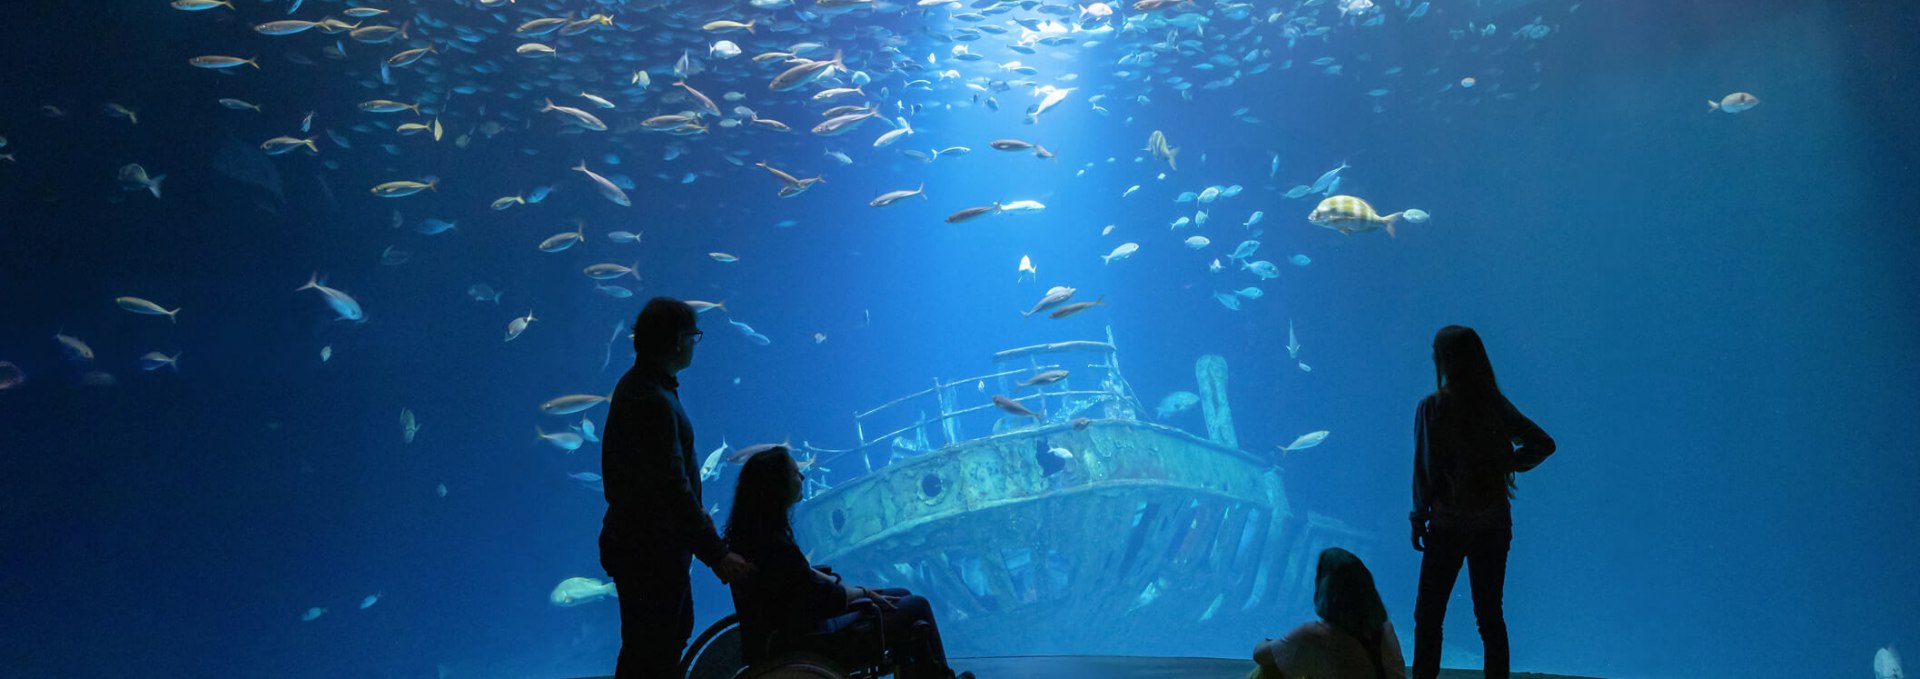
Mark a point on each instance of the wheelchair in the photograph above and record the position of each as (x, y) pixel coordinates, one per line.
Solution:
(852, 645)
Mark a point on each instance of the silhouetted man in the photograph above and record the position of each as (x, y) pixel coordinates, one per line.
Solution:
(655, 521)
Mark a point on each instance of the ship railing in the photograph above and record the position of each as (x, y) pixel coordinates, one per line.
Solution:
(1113, 393)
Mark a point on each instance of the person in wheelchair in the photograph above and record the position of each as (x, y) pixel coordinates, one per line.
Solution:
(788, 599)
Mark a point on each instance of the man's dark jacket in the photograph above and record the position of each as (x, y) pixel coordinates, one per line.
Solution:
(652, 478)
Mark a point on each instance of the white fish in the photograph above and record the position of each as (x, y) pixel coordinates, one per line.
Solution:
(577, 117)
(312, 614)
(609, 271)
(1293, 345)
(892, 197)
(369, 601)
(519, 325)
(1228, 301)
(1325, 181)
(710, 469)
(154, 360)
(1052, 97)
(1197, 242)
(75, 347)
(326, 353)
(1027, 270)
(133, 178)
(1022, 206)
(893, 135)
(587, 430)
(566, 440)
(1061, 453)
(1177, 402)
(1130, 190)
(606, 188)
(572, 403)
(146, 308)
(1734, 103)
(1307, 440)
(1416, 216)
(1886, 664)
(1124, 251)
(409, 425)
(343, 304)
(724, 49)
(575, 591)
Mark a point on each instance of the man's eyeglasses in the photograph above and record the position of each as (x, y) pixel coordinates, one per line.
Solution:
(695, 335)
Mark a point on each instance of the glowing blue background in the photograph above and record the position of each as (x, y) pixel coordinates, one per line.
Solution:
(1712, 314)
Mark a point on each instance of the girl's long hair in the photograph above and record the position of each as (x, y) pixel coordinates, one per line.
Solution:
(1344, 596)
(1469, 403)
(762, 498)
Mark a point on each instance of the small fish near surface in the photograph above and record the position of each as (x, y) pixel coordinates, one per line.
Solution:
(1350, 215)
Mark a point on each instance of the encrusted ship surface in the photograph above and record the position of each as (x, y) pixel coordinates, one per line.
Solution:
(1142, 541)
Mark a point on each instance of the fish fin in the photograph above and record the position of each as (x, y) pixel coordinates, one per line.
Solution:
(153, 185)
(1712, 106)
(313, 281)
(1390, 220)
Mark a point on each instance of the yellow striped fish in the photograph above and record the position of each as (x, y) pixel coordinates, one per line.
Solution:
(1348, 215)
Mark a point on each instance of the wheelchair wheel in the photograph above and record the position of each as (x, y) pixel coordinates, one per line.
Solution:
(796, 665)
(717, 654)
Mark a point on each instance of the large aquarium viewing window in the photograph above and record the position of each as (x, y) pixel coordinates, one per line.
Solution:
(1022, 338)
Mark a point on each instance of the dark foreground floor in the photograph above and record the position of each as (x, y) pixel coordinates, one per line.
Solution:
(1141, 668)
(1116, 667)
(1127, 667)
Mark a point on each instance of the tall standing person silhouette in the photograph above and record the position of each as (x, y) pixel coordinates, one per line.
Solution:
(655, 523)
(1468, 442)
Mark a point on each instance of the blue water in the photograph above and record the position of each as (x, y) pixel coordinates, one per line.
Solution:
(1712, 314)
